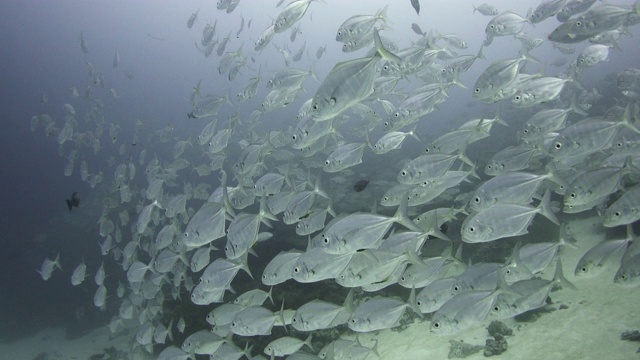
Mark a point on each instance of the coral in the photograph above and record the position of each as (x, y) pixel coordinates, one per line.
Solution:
(495, 346)
(630, 335)
(460, 349)
(497, 327)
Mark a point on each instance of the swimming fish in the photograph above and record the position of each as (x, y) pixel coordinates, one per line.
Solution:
(360, 185)
(74, 201)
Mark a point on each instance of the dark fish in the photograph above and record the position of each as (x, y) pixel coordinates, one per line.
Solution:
(416, 5)
(416, 29)
(360, 185)
(74, 201)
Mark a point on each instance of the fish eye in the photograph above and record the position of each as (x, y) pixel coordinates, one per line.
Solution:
(419, 302)
(385, 68)
(296, 269)
(233, 324)
(386, 123)
(339, 33)
(492, 26)
(623, 277)
(583, 269)
(616, 214)
(396, 114)
(436, 324)
(386, 198)
(325, 240)
(294, 137)
(558, 146)
(456, 288)
(476, 199)
(264, 277)
(578, 23)
(353, 321)
(472, 229)
(315, 107)
(403, 173)
(476, 90)
(517, 98)
(496, 308)
(327, 162)
(572, 195)
(526, 131)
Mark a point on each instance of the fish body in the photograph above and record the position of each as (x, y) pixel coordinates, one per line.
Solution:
(507, 23)
(593, 55)
(486, 9)
(503, 220)
(47, 267)
(546, 9)
(625, 210)
(293, 12)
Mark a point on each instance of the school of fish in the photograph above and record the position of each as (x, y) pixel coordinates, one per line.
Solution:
(184, 223)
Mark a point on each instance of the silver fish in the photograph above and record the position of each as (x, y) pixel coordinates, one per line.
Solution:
(504, 220)
(348, 83)
(286, 345)
(205, 226)
(293, 12)
(625, 210)
(380, 313)
(485, 9)
(280, 268)
(546, 9)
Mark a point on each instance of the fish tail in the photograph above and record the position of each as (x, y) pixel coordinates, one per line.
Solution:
(545, 208)
(574, 106)
(525, 53)
(559, 279)
(56, 262)
(225, 193)
(348, 301)
(381, 50)
(318, 190)
(626, 118)
(367, 140)
(245, 264)
(265, 213)
(412, 132)
(284, 324)
(401, 214)
(480, 55)
(308, 341)
(382, 14)
(412, 302)
(553, 175)
(170, 330)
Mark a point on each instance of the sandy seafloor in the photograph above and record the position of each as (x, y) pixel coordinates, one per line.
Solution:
(589, 328)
